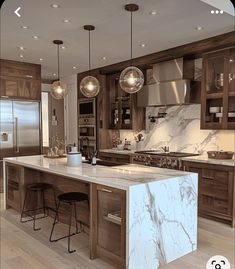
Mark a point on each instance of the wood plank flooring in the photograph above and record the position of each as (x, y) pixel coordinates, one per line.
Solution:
(21, 248)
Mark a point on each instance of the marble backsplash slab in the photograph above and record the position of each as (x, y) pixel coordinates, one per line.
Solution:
(180, 130)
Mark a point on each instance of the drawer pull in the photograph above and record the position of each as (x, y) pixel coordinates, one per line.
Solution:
(106, 190)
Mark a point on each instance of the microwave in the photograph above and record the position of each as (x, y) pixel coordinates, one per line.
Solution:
(86, 108)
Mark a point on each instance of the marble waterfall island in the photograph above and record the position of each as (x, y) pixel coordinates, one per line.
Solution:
(159, 211)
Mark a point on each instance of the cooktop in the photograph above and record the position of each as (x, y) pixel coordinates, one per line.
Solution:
(170, 154)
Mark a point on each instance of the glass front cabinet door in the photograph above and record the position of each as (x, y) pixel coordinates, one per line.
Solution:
(218, 90)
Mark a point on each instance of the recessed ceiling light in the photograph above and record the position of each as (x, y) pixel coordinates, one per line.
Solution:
(21, 48)
(217, 11)
(40, 59)
(74, 67)
(212, 11)
(231, 60)
(104, 58)
(54, 74)
(21, 56)
(221, 11)
(153, 12)
(66, 20)
(55, 5)
(35, 37)
(143, 45)
(24, 27)
(199, 28)
(63, 47)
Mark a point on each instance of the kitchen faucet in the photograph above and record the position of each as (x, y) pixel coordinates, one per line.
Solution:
(166, 149)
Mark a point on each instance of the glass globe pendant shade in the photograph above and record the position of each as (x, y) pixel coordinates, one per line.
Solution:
(58, 89)
(90, 86)
(131, 79)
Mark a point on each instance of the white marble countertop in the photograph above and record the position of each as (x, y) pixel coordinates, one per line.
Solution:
(205, 159)
(118, 151)
(121, 177)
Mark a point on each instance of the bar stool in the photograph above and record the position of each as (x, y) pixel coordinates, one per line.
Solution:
(70, 198)
(37, 189)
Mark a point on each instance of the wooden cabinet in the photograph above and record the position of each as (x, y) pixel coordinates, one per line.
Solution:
(13, 194)
(216, 193)
(20, 80)
(115, 158)
(109, 212)
(218, 90)
(122, 107)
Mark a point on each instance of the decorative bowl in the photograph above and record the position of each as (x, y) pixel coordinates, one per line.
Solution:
(220, 155)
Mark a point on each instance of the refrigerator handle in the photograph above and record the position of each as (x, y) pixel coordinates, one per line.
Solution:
(17, 149)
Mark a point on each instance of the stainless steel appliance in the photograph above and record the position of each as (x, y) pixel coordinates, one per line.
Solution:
(170, 83)
(86, 109)
(19, 129)
(170, 160)
(87, 126)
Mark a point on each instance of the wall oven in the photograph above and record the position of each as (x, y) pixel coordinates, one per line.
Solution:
(86, 108)
(87, 126)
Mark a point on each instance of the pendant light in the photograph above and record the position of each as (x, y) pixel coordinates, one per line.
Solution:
(131, 79)
(89, 85)
(58, 88)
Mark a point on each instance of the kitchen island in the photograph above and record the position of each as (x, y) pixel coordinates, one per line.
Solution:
(158, 207)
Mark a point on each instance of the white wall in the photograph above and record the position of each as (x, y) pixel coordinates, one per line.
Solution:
(70, 110)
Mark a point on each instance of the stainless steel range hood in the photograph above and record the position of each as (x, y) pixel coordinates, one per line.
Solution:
(169, 83)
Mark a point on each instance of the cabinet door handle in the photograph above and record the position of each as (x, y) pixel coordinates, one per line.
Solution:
(106, 190)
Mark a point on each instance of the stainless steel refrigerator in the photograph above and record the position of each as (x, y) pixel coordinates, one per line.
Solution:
(19, 130)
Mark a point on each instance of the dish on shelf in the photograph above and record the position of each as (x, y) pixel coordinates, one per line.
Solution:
(228, 155)
(214, 109)
(127, 121)
(114, 217)
(231, 114)
(219, 115)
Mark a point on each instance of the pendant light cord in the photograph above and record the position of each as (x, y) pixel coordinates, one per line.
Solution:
(131, 38)
(58, 58)
(89, 54)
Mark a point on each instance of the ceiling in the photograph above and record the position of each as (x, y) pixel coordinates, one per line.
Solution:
(174, 24)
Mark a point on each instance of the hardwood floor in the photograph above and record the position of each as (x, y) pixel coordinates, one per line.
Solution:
(21, 248)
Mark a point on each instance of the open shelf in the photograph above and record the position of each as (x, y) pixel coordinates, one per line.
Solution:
(214, 95)
(113, 220)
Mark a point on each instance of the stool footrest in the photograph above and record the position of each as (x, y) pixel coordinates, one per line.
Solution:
(66, 236)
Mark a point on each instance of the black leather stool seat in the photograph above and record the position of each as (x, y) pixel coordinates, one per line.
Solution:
(71, 197)
(39, 186)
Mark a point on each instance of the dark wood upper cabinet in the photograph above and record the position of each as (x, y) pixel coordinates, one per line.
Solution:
(123, 112)
(20, 80)
(218, 90)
